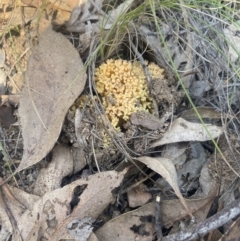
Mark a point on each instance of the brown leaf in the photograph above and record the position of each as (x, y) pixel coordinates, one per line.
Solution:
(166, 169)
(55, 77)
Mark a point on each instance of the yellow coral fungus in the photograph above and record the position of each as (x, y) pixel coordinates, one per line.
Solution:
(123, 89)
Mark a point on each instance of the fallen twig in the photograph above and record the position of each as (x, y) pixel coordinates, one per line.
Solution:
(201, 229)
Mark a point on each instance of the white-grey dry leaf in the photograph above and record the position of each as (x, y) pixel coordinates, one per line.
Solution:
(81, 229)
(74, 16)
(166, 169)
(107, 21)
(3, 82)
(176, 152)
(182, 131)
(5, 235)
(6, 226)
(206, 182)
(192, 168)
(2, 57)
(50, 177)
(233, 43)
(87, 11)
(198, 88)
(55, 77)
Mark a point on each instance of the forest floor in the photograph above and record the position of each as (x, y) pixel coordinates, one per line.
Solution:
(119, 120)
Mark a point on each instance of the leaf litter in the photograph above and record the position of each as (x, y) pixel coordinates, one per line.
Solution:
(69, 199)
(55, 76)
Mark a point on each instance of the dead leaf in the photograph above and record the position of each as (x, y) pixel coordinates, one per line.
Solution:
(61, 165)
(199, 87)
(92, 237)
(10, 99)
(2, 57)
(82, 17)
(232, 40)
(121, 228)
(51, 215)
(138, 196)
(11, 209)
(166, 169)
(55, 77)
(126, 227)
(205, 113)
(108, 20)
(146, 120)
(182, 130)
(176, 152)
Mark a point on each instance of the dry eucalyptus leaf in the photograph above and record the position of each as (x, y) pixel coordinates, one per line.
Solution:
(51, 217)
(166, 169)
(82, 17)
(61, 165)
(232, 38)
(182, 130)
(205, 113)
(2, 57)
(5, 222)
(16, 205)
(10, 99)
(108, 20)
(92, 237)
(175, 152)
(198, 88)
(138, 196)
(55, 77)
(81, 229)
(121, 227)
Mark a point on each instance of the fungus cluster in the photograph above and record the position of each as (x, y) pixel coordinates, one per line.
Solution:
(123, 89)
